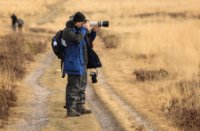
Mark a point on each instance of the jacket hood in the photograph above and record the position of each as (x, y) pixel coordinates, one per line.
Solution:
(69, 24)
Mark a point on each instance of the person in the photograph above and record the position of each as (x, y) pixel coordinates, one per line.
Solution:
(20, 24)
(14, 22)
(75, 62)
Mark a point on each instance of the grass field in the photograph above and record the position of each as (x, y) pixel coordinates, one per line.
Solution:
(148, 37)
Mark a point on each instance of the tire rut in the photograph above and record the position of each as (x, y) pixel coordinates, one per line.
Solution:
(37, 116)
(124, 106)
(106, 120)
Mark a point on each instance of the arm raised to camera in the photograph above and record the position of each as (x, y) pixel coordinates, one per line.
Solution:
(72, 36)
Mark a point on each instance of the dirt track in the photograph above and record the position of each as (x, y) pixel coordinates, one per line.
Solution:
(106, 120)
(111, 110)
(37, 117)
(123, 106)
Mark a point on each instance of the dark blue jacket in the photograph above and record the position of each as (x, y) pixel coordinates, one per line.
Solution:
(74, 62)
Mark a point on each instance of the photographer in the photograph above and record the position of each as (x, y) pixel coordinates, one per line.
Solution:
(77, 40)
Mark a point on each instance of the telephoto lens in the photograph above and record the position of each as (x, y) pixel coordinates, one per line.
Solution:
(99, 23)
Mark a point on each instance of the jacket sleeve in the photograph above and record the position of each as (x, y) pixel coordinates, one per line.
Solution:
(74, 37)
(92, 35)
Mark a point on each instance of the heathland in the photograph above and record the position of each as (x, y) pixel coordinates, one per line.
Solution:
(150, 52)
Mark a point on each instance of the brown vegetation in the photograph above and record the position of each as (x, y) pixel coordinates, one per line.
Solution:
(110, 40)
(173, 15)
(16, 50)
(143, 75)
(40, 30)
(183, 109)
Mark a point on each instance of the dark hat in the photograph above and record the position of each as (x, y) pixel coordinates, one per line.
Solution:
(78, 17)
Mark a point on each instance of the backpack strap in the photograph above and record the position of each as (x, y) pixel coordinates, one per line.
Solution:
(62, 68)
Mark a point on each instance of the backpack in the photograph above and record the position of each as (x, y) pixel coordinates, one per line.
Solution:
(57, 46)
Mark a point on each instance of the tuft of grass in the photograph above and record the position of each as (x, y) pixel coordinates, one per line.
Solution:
(181, 104)
(111, 40)
(143, 75)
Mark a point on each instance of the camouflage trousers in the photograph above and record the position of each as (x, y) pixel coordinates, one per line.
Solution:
(75, 90)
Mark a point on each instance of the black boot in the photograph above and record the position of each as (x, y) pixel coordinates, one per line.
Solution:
(73, 113)
(82, 110)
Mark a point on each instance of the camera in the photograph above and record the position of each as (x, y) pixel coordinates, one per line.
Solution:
(95, 23)
(94, 77)
(99, 23)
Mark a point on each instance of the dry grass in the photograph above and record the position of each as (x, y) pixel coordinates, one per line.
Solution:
(143, 75)
(111, 40)
(146, 35)
(16, 50)
(182, 105)
(23, 7)
(152, 35)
